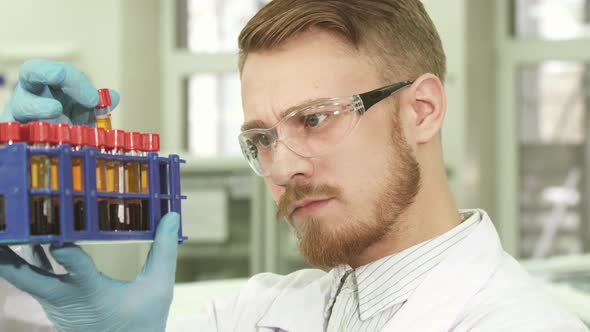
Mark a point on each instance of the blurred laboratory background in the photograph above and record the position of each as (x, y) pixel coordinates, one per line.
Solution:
(516, 135)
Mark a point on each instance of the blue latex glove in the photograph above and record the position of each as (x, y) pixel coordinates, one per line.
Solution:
(86, 300)
(54, 92)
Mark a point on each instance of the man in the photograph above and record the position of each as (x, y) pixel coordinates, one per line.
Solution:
(343, 104)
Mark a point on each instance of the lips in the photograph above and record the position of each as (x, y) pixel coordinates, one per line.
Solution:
(306, 204)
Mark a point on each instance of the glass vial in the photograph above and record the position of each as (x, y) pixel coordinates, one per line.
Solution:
(150, 142)
(42, 218)
(133, 209)
(115, 145)
(102, 111)
(95, 137)
(78, 141)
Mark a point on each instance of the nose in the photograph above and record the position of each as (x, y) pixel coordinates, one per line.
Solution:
(289, 167)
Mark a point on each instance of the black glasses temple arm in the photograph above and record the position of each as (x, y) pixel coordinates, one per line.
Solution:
(373, 97)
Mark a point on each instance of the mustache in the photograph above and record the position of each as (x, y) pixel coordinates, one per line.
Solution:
(299, 192)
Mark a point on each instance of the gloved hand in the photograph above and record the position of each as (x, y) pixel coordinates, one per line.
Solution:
(86, 300)
(54, 92)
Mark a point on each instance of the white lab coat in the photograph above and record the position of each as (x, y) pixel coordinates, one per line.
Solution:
(477, 287)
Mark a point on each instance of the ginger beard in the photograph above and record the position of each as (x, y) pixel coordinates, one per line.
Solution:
(328, 243)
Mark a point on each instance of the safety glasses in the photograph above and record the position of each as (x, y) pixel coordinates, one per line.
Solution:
(312, 129)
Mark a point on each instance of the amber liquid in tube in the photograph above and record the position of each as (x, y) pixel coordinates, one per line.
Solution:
(78, 185)
(54, 199)
(145, 221)
(101, 176)
(144, 178)
(41, 210)
(133, 211)
(103, 203)
(54, 175)
(39, 172)
(77, 175)
(112, 183)
(104, 122)
(101, 186)
(115, 184)
(132, 183)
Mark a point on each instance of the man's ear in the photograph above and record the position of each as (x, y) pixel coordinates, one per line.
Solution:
(430, 105)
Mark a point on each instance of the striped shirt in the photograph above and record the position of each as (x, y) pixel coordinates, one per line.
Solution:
(366, 298)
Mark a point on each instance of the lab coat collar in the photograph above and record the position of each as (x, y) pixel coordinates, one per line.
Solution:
(437, 302)
(434, 305)
(386, 283)
(299, 309)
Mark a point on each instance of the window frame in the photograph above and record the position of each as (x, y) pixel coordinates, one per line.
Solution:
(513, 52)
(177, 65)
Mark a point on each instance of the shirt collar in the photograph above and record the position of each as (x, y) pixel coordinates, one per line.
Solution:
(391, 280)
(339, 274)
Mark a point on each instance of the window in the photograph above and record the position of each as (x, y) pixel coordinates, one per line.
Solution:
(552, 107)
(543, 149)
(552, 19)
(214, 114)
(201, 118)
(213, 26)
(552, 102)
(201, 84)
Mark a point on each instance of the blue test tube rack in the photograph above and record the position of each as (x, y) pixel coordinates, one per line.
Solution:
(164, 194)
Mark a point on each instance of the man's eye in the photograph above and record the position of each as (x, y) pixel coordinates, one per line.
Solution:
(263, 140)
(314, 120)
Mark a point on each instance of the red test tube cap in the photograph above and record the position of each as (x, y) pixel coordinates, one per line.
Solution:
(115, 138)
(78, 135)
(11, 131)
(104, 98)
(38, 132)
(133, 141)
(14, 131)
(60, 133)
(150, 142)
(3, 128)
(95, 137)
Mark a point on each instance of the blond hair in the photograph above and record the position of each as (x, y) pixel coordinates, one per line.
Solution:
(398, 34)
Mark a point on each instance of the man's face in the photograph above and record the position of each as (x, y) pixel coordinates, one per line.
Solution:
(341, 202)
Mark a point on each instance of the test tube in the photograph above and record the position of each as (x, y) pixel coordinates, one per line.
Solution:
(133, 211)
(42, 220)
(59, 134)
(102, 111)
(95, 137)
(78, 140)
(115, 144)
(10, 133)
(150, 142)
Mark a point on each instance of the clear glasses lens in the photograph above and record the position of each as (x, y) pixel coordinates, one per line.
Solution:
(257, 149)
(309, 132)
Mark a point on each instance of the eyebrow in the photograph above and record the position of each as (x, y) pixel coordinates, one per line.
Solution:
(259, 124)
